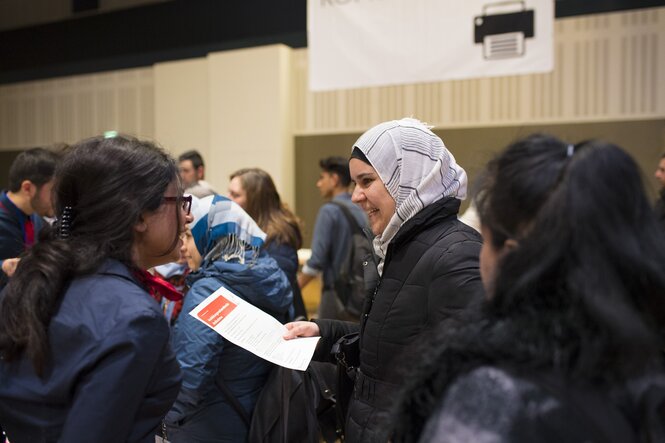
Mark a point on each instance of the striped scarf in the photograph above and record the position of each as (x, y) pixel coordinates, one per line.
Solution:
(415, 167)
(224, 231)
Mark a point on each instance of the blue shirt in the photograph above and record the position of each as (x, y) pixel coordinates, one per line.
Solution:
(332, 239)
(111, 375)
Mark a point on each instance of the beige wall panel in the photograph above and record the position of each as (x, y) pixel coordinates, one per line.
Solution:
(181, 107)
(69, 109)
(250, 115)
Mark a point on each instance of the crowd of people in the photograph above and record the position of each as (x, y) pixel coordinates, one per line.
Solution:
(547, 325)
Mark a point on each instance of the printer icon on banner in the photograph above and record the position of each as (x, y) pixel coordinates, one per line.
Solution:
(503, 34)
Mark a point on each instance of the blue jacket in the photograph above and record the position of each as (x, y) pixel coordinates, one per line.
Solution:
(286, 257)
(112, 375)
(201, 412)
(12, 231)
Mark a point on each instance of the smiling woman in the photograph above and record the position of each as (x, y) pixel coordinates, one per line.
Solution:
(371, 194)
(84, 349)
(410, 186)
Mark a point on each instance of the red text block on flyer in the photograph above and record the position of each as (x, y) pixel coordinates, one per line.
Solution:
(216, 311)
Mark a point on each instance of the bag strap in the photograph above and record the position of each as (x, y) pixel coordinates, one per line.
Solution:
(286, 402)
(312, 420)
(353, 223)
(326, 391)
(234, 402)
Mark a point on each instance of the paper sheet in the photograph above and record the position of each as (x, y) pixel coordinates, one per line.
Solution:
(249, 327)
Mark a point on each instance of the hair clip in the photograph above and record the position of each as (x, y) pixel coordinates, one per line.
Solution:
(571, 150)
(65, 222)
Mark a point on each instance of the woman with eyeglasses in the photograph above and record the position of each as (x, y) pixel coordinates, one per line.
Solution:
(84, 348)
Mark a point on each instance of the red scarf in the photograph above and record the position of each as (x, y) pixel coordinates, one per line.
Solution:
(157, 287)
(29, 229)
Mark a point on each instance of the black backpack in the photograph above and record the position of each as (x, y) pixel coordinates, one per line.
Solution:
(293, 406)
(350, 281)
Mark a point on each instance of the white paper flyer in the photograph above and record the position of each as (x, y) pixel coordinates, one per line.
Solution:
(249, 327)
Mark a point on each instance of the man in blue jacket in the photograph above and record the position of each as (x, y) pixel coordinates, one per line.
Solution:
(23, 205)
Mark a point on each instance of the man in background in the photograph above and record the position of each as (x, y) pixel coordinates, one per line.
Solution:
(23, 205)
(331, 239)
(192, 173)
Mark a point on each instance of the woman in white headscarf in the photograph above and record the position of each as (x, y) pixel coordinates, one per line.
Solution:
(410, 186)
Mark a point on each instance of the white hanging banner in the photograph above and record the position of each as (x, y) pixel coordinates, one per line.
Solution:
(361, 43)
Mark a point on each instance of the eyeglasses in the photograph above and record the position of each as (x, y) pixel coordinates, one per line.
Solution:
(186, 201)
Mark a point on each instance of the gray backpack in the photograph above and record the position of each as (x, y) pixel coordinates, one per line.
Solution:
(350, 282)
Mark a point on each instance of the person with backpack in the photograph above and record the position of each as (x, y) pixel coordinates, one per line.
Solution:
(222, 381)
(410, 187)
(568, 346)
(333, 242)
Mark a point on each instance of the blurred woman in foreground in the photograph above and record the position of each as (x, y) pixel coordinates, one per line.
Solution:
(568, 345)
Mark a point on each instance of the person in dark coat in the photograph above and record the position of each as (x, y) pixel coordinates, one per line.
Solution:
(568, 344)
(223, 248)
(254, 190)
(85, 354)
(410, 186)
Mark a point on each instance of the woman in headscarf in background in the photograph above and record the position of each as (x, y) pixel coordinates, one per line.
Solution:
(410, 186)
(223, 248)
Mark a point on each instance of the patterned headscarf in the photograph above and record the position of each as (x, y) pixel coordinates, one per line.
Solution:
(223, 230)
(415, 167)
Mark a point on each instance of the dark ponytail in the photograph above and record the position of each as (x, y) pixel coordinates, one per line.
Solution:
(106, 184)
(587, 277)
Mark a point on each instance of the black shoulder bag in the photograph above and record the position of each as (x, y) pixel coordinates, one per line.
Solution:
(347, 354)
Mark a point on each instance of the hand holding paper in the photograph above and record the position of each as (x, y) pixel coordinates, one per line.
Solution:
(249, 327)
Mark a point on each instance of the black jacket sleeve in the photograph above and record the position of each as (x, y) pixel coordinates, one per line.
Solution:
(331, 331)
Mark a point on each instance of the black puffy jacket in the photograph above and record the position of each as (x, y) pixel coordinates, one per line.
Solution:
(430, 274)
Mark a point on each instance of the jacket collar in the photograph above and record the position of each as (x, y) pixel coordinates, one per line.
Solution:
(445, 209)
